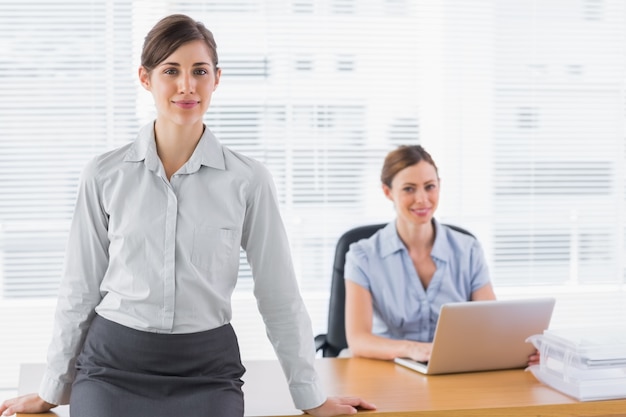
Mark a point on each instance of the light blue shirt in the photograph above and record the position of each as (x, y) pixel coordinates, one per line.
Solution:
(402, 309)
(162, 256)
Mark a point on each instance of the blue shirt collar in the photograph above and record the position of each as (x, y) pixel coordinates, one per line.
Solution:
(391, 243)
(441, 247)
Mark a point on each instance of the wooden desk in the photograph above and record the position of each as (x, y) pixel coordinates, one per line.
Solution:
(400, 392)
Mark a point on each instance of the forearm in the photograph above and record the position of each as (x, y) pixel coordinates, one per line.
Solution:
(377, 347)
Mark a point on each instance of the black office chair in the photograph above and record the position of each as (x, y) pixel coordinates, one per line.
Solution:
(334, 340)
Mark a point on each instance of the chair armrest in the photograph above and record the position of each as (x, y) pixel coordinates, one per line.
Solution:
(320, 342)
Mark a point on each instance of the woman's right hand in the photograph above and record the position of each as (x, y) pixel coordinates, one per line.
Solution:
(28, 404)
(420, 351)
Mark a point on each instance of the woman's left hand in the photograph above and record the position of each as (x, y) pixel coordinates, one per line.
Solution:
(335, 406)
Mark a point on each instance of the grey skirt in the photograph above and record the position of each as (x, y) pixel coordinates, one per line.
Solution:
(126, 372)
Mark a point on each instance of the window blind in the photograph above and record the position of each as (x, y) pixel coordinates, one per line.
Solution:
(558, 143)
(520, 103)
(67, 92)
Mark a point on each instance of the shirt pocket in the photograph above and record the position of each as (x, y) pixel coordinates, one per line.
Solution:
(212, 248)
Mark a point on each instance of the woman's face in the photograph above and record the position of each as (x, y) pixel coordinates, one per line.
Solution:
(182, 85)
(415, 193)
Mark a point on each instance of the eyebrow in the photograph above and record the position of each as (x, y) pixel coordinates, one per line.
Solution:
(176, 64)
(414, 184)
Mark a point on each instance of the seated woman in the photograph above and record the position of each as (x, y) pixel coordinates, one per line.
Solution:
(397, 280)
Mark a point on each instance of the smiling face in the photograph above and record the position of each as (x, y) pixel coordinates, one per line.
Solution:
(183, 84)
(415, 193)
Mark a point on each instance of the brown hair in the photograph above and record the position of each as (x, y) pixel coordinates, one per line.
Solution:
(169, 34)
(402, 157)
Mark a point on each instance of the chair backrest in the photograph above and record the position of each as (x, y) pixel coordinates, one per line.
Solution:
(336, 334)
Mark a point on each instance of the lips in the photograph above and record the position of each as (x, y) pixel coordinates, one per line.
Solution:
(421, 211)
(186, 104)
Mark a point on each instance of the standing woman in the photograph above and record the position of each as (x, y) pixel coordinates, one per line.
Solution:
(397, 280)
(142, 326)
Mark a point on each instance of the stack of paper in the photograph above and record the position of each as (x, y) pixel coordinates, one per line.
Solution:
(587, 364)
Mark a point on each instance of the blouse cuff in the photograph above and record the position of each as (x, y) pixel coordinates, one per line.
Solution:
(307, 396)
(53, 391)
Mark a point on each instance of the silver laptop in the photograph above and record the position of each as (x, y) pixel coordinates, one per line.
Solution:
(484, 335)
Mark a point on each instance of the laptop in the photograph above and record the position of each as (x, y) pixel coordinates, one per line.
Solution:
(484, 335)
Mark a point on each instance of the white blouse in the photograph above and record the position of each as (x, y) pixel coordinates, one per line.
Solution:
(163, 256)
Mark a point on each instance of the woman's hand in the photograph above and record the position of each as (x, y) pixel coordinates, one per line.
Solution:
(420, 351)
(30, 403)
(335, 406)
(534, 359)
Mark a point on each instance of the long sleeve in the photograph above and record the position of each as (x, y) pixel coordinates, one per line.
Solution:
(279, 301)
(85, 264)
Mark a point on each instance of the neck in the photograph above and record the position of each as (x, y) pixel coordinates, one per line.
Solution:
(416, 237)
(175, 143)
